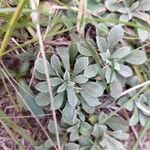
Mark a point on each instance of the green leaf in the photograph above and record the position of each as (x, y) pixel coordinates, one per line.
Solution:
(110, 75)
(74, 135)
(116, 89)
(144, 5)
(85, 128)
(91, 101)
(80, 79)
(112, 5)
(66, 76)
(101, 43)
(84, 49)
(43, 99)
(80, 65)
(88, 109)
(29, 98)
(101, 30)
(93, 89)
(48, 144)
(56, 64)
(91, 71)
(121, 53)
(125, 71)
(51, 127)
(134, 118)
(120, 135)
(56, 81)
(39, 66)
(118, 123)
(137, 57)
(68, 113)
(93, 5)
(64, 55)
(114, 36)
(143, 118)
(98, 131)
(62, 88)
(42, 87)
(72, 98)
(71, 146)
(58, 100)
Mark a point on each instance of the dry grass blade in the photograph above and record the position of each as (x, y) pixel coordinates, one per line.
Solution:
(36, 19)
(80, 14)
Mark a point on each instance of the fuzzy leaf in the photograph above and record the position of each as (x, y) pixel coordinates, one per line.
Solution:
(91, 71)
(121, 53)
(80, 65)
(143, 35)
(109, 75)
(66, 76)
(93, 89)
(80, 79)
(137, 57)
(101, 29)
(64, 55)
(114, 36)
(51, 127)
(71, 146)
(42, 87)
(56, 81)
(101, 43)
(112, 5)
(58, 100)
(72, 98)
(120, 135)
(134, 118)
(62, 87)
(116, 89)
(85, 128)
(87, 108)
(125, 71)
(144, 5)
(43, 99)
(91, 101)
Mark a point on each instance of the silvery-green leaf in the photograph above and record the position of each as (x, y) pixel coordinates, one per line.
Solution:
(125, 71)
(142, 106)
(91, 71)
(112, 144)
(101, 29)
(129, 105)
(41, 147)
(93, 89)
(143, 35)
(72, 97)
(96, 146)
(111, 17)
(112, 5)
(80, 65)
(134, 118)
(81, 115)
(92, 101)
(48, 144)
(137, 57)
(29, 98)
(109, 75)
(116, 89)
(62, 87)
(73, 52)
(56, 81)
(43, 99)
(117, 66)
(118, 123)
(39, 65)
(66, 76)
(121, 53)
(120, 135)
(114, 36)
(101, 43)
(58, 100)
(124, 18)
(88, 109)
(64, 55)
(98, 131)
(51, 127)
(71, 146)
(144, 5)
(85, 128)
(42, 87)
(94, 5)
(68, 113)
(56, 64)
(143, 118)
(74, 135)
(39, 75)
(84, 49)
(124, 10)
(134, 6)
(80, 79)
